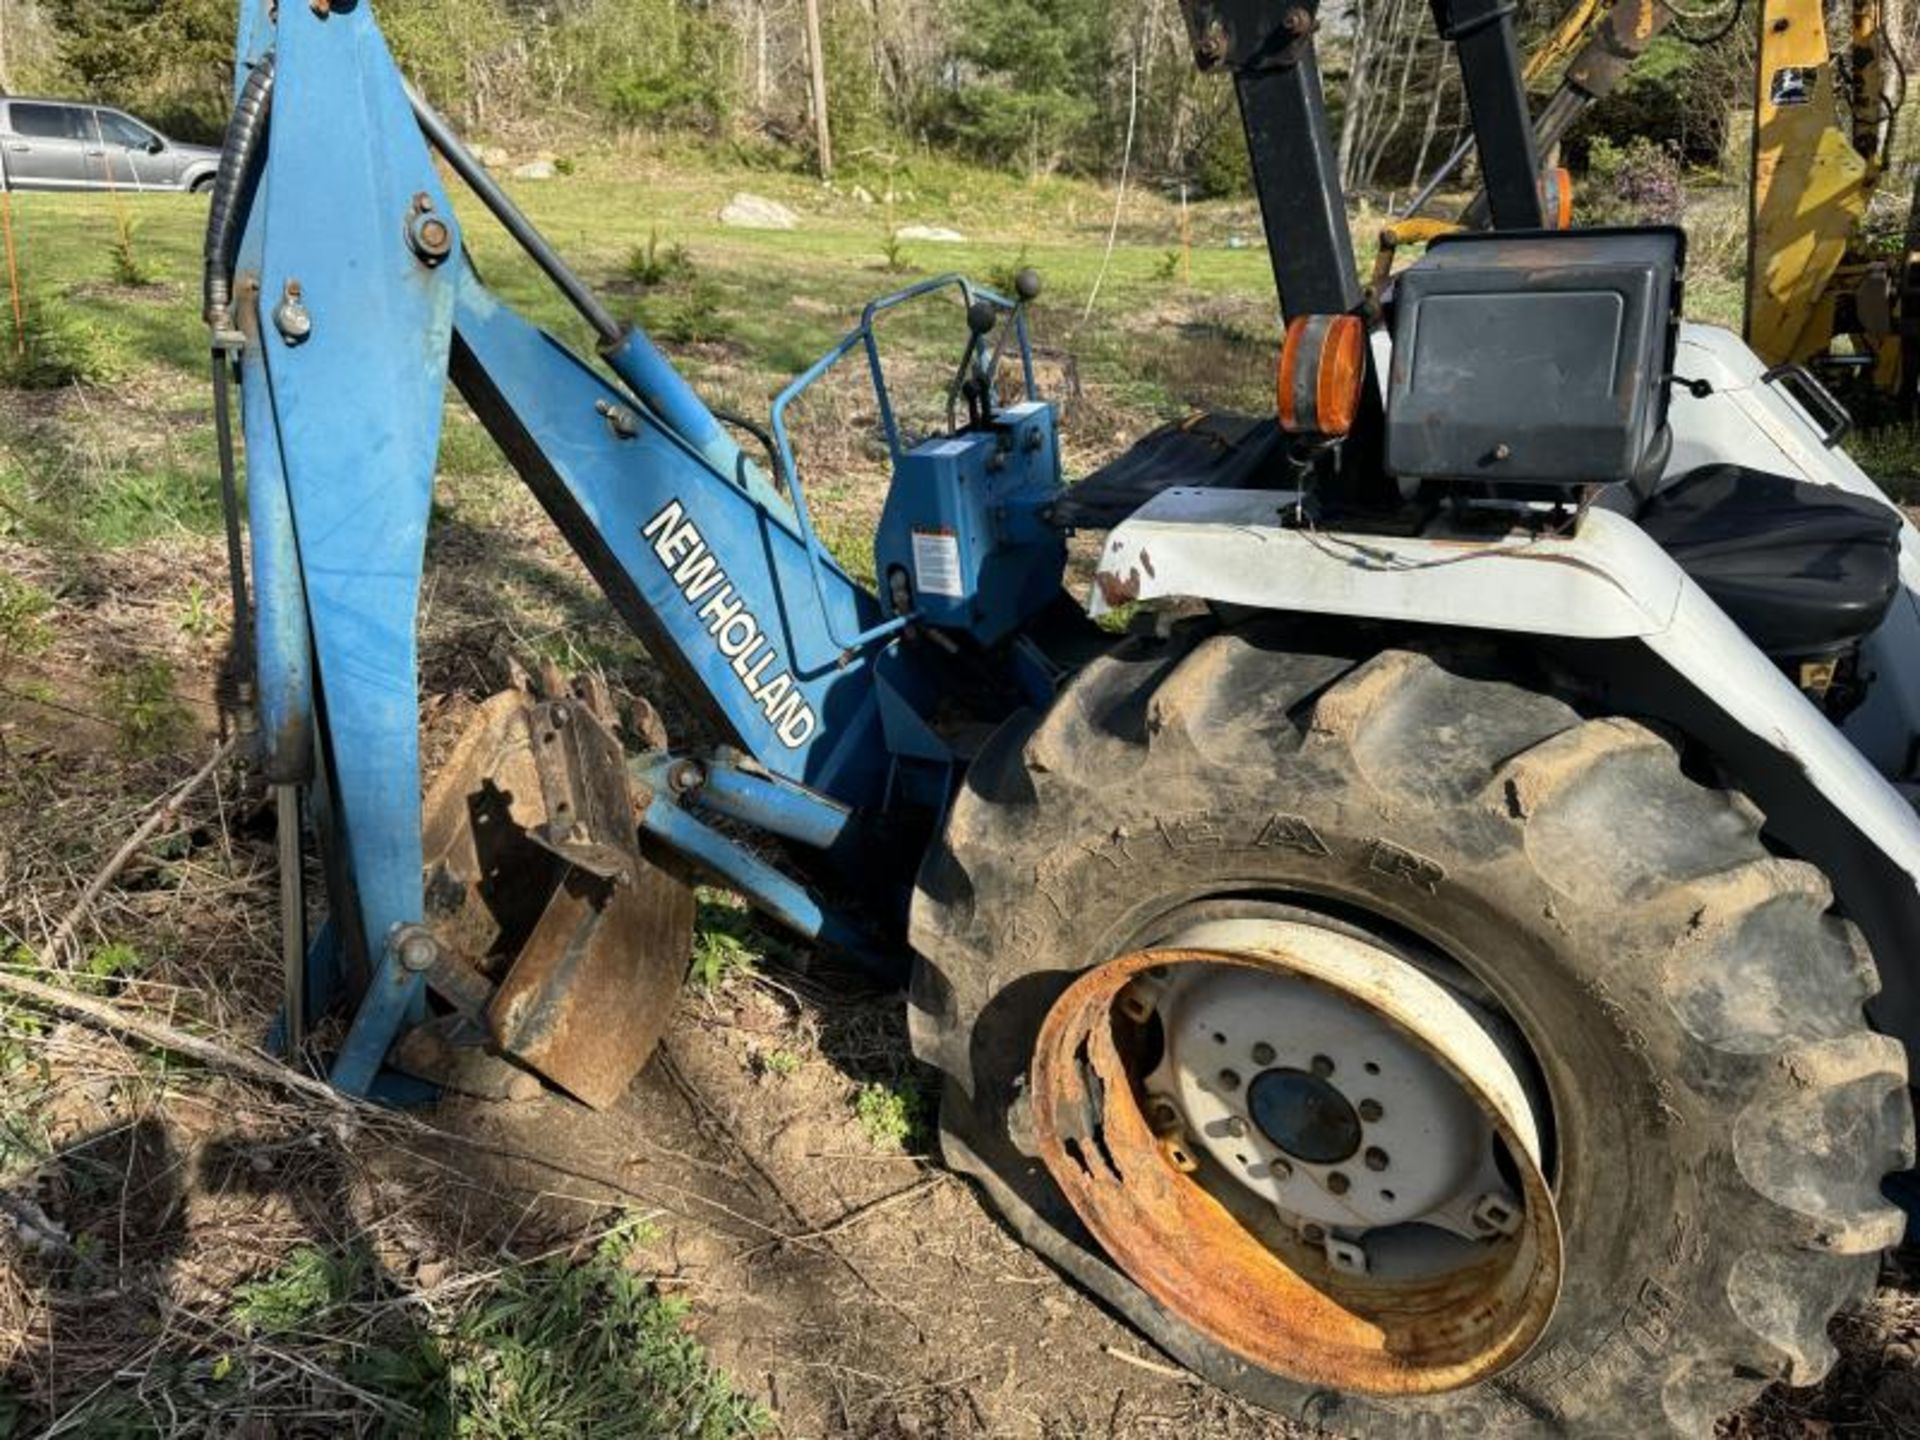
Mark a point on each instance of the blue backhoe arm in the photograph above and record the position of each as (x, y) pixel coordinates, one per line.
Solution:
(348, 302)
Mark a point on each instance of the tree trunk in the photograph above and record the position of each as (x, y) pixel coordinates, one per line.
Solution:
(1389, 129)
(760, 56)
(1432, 126)
(1354, 94)
(817, 70)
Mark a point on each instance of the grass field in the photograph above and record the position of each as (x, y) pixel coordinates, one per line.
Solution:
(758, 1241)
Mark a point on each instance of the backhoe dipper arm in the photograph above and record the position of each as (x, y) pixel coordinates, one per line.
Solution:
(345, 302)
(1619, 38)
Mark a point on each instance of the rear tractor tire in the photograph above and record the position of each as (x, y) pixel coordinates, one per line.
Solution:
(1402, 1049)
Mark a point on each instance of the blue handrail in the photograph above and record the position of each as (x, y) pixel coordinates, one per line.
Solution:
(864, 334)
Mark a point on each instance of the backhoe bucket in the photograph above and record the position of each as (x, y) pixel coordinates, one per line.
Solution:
(562, 939)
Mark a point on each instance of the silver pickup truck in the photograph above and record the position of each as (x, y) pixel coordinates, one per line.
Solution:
(71, 145)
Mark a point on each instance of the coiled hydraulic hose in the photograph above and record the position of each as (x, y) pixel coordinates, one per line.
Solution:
(240, 153)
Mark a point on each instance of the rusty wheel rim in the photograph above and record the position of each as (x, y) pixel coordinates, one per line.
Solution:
(1261, 1263)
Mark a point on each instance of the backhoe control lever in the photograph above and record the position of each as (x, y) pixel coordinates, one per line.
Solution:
(973, 381)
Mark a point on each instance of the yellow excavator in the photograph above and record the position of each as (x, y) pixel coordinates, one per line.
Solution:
(1823, 288)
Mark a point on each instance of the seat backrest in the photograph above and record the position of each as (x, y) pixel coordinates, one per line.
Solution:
(1536, 359)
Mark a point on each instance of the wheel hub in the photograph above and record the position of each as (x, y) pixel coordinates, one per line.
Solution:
(1307, 1117)
(1309, 1149)
(1348, 1120)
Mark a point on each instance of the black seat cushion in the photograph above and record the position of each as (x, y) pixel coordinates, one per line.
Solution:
(1803, 569)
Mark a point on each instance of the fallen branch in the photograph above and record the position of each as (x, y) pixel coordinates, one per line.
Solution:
(169, 808)
(860, 1212)
(162, 1036)
(260, 1067)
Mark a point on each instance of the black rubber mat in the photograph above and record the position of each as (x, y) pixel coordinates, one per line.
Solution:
(1209, 451)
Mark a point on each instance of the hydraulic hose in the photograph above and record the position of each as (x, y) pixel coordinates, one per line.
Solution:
(240, 153)
(233, 189)
(230, 506)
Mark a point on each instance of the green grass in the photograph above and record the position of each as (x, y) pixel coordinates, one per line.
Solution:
(561, 1350)
(107, 965)
(23, 620)
(305, 1286)
(742, 310)
(729, 941)
(719, 956)
(894, 1116)
(779, 1063)
(1891, 455)
(26, 1078)
(556, 1349)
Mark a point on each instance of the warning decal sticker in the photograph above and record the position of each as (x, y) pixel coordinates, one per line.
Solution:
(1793, 85)
(936, 563)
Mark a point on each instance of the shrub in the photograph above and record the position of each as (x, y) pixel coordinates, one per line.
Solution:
(1004, 275)
(23, 624)
(1640, 183)
(694, 316)
(893, 1115)
(56, 347)
(128, 266)
(895, 252)
(648, 265)
(1221, 167)
(146, 707)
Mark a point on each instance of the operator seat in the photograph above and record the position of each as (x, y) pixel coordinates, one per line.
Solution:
(1805, 570)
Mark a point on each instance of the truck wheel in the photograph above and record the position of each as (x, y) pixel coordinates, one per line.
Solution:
(1401, 1048)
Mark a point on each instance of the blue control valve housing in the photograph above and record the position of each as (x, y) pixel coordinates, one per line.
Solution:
(962, 542)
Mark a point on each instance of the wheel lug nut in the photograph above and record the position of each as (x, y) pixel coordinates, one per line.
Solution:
(1338, 1183)
(1314, 1235)
(1322, 1066)
(1229, 1079)
(1371, 1110)
(1236, 1127)
(1263, 1054)
(1376, 1158)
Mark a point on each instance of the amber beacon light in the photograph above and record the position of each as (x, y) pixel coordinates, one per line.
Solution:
(1322, 367)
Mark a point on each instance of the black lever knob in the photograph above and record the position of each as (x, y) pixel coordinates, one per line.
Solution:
(982, 317)
(1027, 285)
